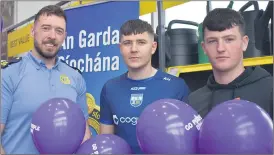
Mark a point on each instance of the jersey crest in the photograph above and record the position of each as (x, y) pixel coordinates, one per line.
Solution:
(136, 100)
(5, 63)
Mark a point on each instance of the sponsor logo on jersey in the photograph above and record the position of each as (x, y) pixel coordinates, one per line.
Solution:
(124, 120)
(166, 78)
(138, 88)
(136, 100)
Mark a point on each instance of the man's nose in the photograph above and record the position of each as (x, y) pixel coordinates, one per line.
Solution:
(134, 47)
(52, 34)
(220, 46)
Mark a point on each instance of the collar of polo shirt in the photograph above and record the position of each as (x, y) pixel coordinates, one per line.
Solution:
(39, 63)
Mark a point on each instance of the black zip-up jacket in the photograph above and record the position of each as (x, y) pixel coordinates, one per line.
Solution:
(255, 84)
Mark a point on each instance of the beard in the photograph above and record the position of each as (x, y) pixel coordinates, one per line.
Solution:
(46, 54)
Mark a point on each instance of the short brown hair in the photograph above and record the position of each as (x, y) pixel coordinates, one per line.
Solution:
(51, 10)
(136, 26)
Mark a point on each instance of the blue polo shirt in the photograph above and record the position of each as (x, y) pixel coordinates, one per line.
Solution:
(25, 85)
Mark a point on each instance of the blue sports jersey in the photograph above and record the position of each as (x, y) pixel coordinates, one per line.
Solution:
(26, 84)
(123, 100)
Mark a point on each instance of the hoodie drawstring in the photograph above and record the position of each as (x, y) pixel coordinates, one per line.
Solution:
(211, 101)
(234, 92)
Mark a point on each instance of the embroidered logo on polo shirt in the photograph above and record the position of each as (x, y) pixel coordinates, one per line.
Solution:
(64, 79)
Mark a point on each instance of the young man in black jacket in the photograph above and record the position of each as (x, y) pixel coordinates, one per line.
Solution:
(224, 43)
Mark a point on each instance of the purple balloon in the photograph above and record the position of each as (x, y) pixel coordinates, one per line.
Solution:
(236, 127)
(104, 144)
(58, 127)
(168, 126)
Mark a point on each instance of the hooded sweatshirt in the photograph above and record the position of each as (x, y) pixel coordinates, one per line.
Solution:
(255, 84)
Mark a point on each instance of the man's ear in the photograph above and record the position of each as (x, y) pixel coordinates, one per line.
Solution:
(66, 34)
(32, 31)
(119, 44)
(203, 46)
(245, 41)
(154, 47)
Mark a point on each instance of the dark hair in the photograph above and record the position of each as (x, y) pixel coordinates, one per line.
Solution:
(51, 10)
(220, 19)
(136, 26)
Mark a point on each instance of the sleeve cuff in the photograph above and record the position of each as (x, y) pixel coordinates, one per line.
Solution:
(106, 122)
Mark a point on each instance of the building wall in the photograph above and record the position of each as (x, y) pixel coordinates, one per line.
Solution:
(7, 13)
(25, 9)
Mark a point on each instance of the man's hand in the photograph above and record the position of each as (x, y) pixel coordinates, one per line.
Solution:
(87, 133)
(2, 149)
(106, 129)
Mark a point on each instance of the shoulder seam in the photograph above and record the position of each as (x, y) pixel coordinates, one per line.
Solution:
(75, 68)
(5, 63)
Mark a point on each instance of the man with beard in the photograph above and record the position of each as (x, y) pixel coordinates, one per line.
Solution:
(29, 81)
